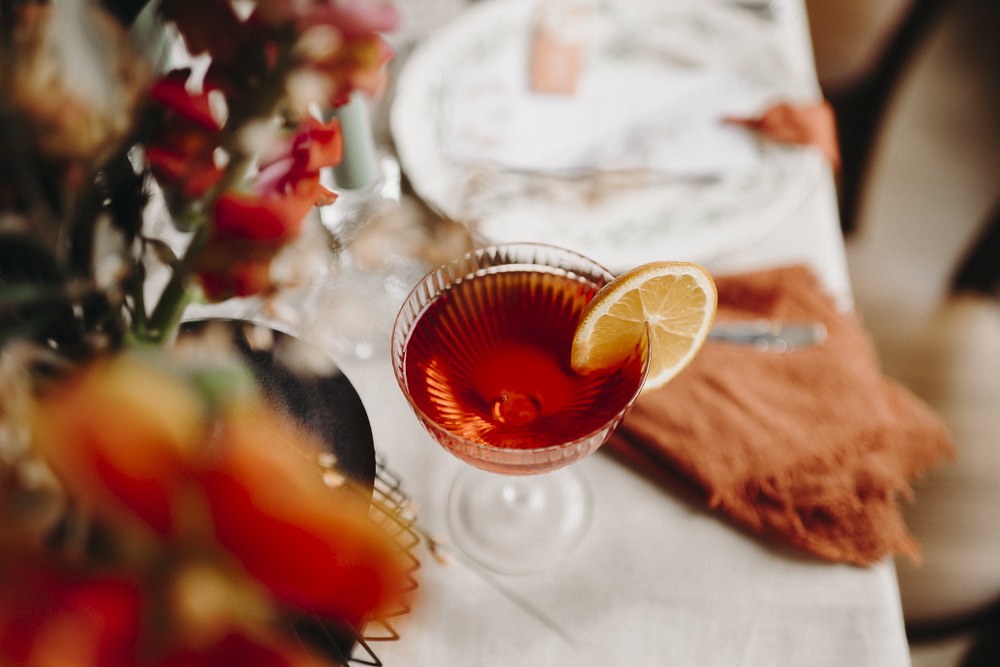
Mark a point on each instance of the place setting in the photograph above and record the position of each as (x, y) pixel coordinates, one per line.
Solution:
(636, 158)
(791, 460)
(777, 451)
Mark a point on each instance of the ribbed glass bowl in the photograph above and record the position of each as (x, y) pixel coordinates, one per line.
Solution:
(596, 408)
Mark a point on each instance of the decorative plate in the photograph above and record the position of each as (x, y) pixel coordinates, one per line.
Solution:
(619, 219)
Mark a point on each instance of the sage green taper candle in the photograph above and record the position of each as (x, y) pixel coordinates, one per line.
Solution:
(357, 168)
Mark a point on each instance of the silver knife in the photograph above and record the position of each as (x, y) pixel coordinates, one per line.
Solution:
(769, 335)
(766, 9)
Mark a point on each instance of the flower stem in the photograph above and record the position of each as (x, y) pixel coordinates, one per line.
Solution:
(163, 321)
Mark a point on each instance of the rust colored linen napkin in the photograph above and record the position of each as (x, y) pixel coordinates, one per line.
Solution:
(811, 448)
(804, 124)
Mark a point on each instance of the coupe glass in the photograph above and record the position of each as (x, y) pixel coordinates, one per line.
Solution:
(481, 350)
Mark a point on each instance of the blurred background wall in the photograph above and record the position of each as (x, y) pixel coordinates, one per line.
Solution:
(922, 222)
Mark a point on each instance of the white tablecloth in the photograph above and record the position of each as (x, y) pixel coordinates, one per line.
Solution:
(657, 581)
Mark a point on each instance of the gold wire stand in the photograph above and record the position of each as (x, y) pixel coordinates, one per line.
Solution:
(395, 513)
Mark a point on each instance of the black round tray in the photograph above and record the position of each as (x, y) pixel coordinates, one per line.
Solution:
(325, 401)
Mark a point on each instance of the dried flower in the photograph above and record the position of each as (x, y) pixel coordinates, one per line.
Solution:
(77, 79)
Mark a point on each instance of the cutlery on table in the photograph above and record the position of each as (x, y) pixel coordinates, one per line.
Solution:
(769, 335)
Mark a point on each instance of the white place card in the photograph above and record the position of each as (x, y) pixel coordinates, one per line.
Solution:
(621, 118)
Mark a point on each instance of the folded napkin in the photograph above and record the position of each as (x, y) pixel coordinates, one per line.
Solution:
(810, 448)
(803, 124)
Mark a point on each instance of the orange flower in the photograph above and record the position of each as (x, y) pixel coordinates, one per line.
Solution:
(120, 436)
(358, 64)
(314, 145)
(311, 548)
(131, 441)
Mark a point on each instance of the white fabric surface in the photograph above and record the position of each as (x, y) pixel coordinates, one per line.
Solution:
(657, 581)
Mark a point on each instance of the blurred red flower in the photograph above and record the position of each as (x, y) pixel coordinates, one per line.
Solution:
(181, 151)
(53, 617)
(210, 26)
(250, 228)
(275, 515)
(133, 442)
(121, 434)
(238, 650)
(50, 617)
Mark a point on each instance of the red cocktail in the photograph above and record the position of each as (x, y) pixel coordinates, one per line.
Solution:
(481, 349)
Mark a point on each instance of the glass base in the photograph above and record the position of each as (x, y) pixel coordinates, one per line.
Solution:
(518, 525)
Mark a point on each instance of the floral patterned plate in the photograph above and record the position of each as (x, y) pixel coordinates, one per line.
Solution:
(618, 218)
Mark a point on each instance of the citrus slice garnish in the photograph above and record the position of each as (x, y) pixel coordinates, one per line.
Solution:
(676, 299)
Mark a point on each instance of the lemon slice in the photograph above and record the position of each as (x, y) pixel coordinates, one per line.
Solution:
(676, 299)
